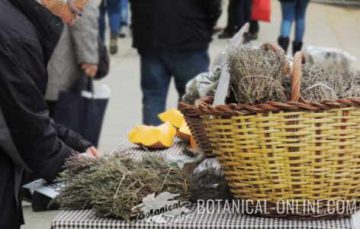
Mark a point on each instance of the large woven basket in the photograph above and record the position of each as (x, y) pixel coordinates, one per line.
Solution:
(304, 151)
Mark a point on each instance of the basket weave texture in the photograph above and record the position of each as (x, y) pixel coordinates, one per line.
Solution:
(287, 151)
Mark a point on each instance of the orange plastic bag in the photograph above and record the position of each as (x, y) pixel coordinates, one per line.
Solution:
(261, 10)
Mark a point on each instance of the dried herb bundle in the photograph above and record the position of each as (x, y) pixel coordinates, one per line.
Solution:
(114, 185)
(78, 178)
(320, 84)
(257, 74)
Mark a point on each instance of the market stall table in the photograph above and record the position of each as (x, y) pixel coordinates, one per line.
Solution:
(86, 219)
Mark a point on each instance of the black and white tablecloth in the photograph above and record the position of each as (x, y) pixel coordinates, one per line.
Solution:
(86, 219)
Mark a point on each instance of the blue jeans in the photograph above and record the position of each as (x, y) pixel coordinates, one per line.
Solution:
(157, 70)
(124, 12)
(293, 11)
(112, 8)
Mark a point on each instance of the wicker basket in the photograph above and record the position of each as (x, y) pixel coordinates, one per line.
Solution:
(307, 152)
(197, 127)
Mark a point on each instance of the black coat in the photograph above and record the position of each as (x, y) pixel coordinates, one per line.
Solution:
(173, 25)
(28, 35)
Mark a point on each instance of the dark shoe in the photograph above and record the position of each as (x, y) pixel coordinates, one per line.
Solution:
(122, 35)
(247, 38)
(297, 46)
(284, 43)
(251, 36)
(254, 27)
(124, 23)
(254, 36)
(113, 44)
(225, 35)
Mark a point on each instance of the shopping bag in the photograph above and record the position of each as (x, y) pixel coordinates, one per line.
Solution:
(83, 108)
(261, 10)
(104, 61)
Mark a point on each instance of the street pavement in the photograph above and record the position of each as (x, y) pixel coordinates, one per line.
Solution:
(326, 26)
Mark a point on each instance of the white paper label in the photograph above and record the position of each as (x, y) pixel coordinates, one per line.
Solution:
(44, 188)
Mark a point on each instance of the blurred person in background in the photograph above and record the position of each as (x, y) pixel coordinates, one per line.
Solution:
(172, 38)
(292, 11)
(124, 17)
(254, 29)
(239, 13)
(112, 9)
(29, 139)
(75, 55)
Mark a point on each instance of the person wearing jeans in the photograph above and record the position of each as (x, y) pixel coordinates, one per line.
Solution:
(239, 13)
(156, 72)
(124, 16)
(112, 8)
(292, 10)
(254, 29)
(173, 42)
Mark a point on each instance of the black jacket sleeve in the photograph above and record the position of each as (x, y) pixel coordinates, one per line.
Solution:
(22, 83)
(71, 138)
(213, 10)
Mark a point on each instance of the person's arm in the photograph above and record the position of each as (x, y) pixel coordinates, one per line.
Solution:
(213, 9)
(84, 34)
(71, 138)
(22, 82)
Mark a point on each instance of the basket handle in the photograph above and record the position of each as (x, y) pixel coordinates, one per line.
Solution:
(296, 77)
(273, 47)
(279, 52)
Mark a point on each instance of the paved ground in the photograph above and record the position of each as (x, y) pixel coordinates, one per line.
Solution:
(327, 26)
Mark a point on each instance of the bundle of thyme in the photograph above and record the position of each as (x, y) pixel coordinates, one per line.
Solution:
(318, 83)
(257, 74)
(260, 75)
(115, 184)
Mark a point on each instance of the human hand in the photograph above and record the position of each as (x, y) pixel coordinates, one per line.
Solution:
(90, 69)
(68, 10)
(91, 152)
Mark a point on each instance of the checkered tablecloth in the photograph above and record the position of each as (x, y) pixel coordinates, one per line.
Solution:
(87, 220)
